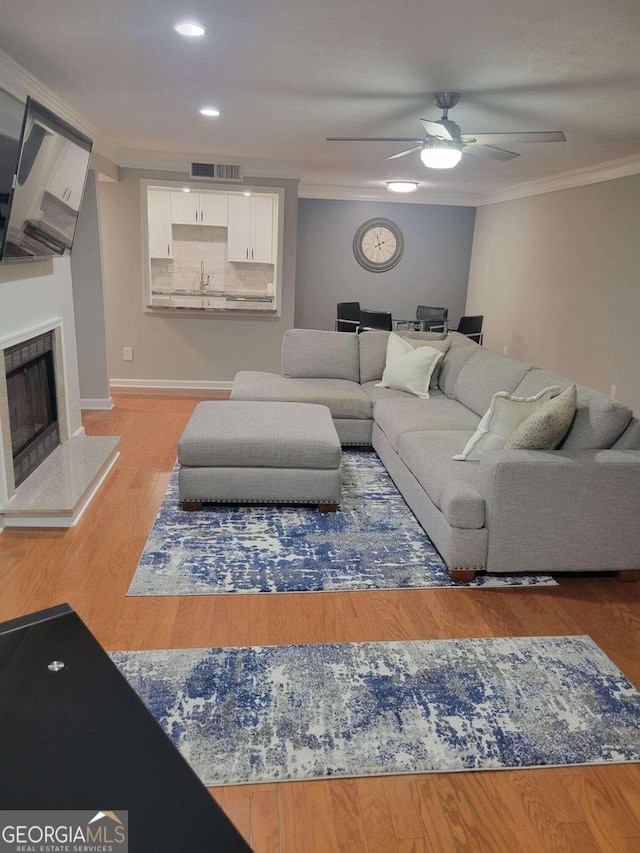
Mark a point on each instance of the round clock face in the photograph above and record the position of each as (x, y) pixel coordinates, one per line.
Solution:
(378, 245)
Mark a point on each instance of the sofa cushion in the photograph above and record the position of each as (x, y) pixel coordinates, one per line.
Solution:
(373, 350)
(460, 351)
(395, 417)
(545, 428)
(375, 392)
(449, 485)
(312, 354)
(225, 434)
(344, 399)
(630, 438)
(486, 373)
(598, 421)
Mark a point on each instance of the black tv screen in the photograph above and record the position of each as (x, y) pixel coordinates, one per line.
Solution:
(47, 186)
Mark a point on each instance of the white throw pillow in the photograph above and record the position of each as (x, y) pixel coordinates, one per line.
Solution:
(504, 415)
(409, 369)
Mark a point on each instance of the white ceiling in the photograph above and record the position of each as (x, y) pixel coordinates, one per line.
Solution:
(287, 73)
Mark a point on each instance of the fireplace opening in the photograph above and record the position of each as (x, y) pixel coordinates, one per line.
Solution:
(31, 392)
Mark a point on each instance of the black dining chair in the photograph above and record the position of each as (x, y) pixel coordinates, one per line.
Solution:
(431, 319)
(471, 326)
(348, 317)
(375, 320)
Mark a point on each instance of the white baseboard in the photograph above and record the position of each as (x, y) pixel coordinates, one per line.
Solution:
(182, 384)
(98, 404)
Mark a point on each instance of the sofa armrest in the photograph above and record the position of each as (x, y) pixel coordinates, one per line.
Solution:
(561, 510)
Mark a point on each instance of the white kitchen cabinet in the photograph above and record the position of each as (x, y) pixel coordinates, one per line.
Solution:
(251, 224)
(198, 208)
(159, 219)
(67, 181)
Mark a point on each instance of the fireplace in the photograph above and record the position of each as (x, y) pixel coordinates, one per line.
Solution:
(31, 396)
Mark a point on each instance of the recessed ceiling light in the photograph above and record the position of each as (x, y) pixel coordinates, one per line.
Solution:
(209, 111)
(188, 28)
(402, 186)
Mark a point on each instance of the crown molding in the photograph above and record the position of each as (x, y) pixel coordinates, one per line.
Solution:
(607, 171)
(375, 194)
(20, 83)
(180, 161)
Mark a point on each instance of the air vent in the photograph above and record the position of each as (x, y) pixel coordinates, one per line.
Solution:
(215, 172)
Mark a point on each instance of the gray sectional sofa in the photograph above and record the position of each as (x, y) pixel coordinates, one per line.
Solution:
(575, 509)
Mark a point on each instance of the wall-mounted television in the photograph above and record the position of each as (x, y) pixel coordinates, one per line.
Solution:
(39, 207)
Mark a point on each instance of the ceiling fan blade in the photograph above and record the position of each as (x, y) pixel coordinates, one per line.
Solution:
(404, 153)
(373, 139)
(436, 128)
(499, 138)
(488, 151)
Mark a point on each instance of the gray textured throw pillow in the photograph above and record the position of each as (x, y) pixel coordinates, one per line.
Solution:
(547, 426)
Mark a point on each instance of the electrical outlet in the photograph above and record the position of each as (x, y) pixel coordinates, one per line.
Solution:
(127, 353)
(613, 392)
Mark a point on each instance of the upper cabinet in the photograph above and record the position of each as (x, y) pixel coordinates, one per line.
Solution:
(251, 229)
(198, 208)
(159, 221)
(67, 181)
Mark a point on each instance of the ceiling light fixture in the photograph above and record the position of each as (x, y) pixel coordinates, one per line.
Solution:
(441, 155)
(402, 186)
(209, 111)
(188, 28)
(186, 189)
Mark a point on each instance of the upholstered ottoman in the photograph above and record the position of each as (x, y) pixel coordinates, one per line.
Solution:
(259, 452)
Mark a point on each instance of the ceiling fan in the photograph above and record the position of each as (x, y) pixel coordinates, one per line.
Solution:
(443, 145)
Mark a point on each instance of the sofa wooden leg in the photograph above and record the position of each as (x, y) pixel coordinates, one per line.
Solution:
(191, 506)
(462, 575)
(628, 575)
(327, 507)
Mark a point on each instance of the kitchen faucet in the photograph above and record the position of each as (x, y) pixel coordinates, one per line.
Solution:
(203, 284)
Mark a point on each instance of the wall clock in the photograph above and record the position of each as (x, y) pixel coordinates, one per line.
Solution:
(378, 245)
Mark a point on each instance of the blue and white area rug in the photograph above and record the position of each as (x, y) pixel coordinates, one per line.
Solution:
(372, 542)
(281, 713)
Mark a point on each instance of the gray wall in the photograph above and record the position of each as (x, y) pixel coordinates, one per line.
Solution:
(434, 269)
(88, 302)
(181, 349)
(557, 278)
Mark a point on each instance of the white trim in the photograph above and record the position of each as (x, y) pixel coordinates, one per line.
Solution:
(19, 82)
(608, 171)
(97, 403)
(60, 520)
(19, 337)
(191, 384)
(422, 196)
(180, 161)
(79, 431)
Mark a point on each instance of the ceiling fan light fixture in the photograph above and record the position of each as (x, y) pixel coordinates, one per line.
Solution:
(402, 186)
(441, 155)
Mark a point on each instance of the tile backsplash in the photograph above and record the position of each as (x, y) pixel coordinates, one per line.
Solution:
(193, 244)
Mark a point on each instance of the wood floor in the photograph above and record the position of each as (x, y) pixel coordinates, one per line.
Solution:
(580, 809)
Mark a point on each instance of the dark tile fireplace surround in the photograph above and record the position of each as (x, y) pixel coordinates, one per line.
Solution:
(31, 392)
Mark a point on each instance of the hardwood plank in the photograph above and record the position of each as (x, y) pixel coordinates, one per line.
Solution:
(404, 814)
(378, 825)
(265, 831)
(237, 805)
(347, 816)
(292, 818)
(321, 828)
